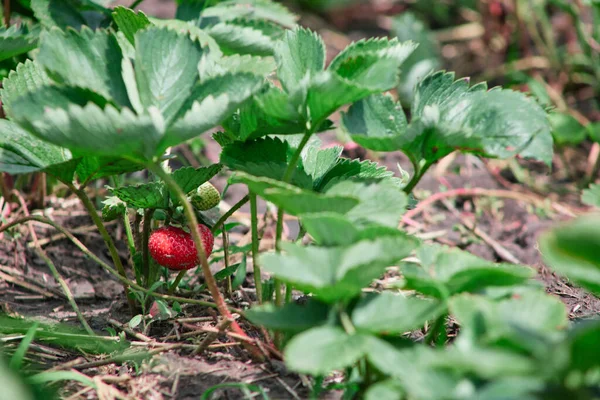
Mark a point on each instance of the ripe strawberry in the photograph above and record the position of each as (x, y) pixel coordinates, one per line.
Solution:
(174, 248)
(206, 197)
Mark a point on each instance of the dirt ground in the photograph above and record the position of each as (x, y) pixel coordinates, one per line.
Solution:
(494, 227)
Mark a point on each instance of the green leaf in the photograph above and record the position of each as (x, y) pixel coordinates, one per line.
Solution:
(189, 178)
(337, 273)
(387, 313)
(330, 228)
(521, 320)
(240, 274)
(21, 152)
(211, 102)
(73, 58)
(147, 195)
(380, 202)
(572, 250)
(445, 271)
(58, 13)
(235, 39)
(90, 167)
(346, 168)
(292, 317)
(166, 69)
(193, 31)
(320, 351)
(129, 22)
(267, 157)
(495, 123)
(254, 9)
(385, 390)
(482, 362)
(382, 48)
(316, 161)
(57, 116)
(591, 195)
(409, 367)
(583, 342)
(300, 54)
(113, 208)
(376, 123)
(261, 66)
(15, 41)
(27, 77)
(566, 130)
(294, 200)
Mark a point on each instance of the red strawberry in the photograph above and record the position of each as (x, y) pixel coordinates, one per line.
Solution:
(174, 248)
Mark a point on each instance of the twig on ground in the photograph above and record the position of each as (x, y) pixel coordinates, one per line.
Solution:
(40, 252)
(474, 192)
(212, 336)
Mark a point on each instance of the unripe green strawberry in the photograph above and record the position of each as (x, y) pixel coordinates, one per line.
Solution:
(206, 197)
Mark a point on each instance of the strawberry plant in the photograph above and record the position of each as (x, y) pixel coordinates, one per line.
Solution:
(98, 104)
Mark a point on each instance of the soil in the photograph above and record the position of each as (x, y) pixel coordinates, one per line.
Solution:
(506, 229)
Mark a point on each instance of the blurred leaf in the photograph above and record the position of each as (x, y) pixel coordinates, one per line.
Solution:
(322, 350)
(426, 57)
(337, 273)
(291, 317)
(591, 195)
(527, 322)
(389, 314)
(15, 41)
(385, 390)
(446, 271)
(571, 249)
(583, 342)
(566, 130)
(240, 274)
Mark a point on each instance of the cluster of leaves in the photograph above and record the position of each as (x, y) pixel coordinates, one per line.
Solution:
(102, 102)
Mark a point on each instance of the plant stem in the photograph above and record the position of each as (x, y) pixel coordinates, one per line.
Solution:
(175, 284)
(230, 212)
(208, 276)
(147, 223)
(287, 177)
(419, 172)
(131, 245)
(65, 289)
(136, 3)
(226, 261)
(107, 267)
(7, 13)
(255, 247)
(91, 209)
